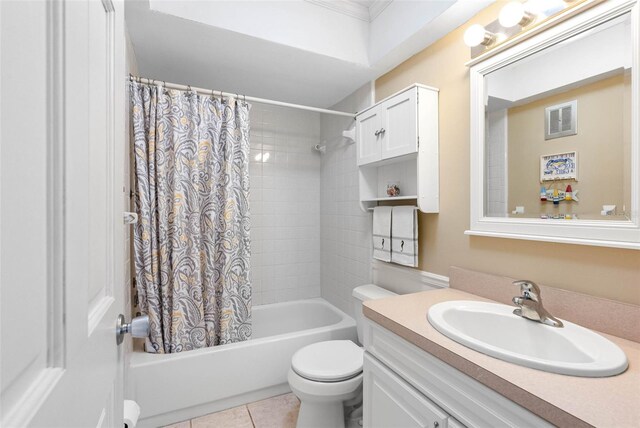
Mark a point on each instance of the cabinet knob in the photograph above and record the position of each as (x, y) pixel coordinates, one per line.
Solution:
(376, 133)
(436, 424)
(382, 131)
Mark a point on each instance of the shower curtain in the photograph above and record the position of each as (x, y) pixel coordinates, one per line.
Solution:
(191, 242)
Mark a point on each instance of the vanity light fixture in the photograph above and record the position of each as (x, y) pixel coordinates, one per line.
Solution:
(477, 35)
(516, 16)
(514, 13)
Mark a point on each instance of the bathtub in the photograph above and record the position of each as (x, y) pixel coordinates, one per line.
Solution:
(175, 387)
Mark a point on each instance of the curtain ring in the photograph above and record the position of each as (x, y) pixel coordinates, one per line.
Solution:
(189, 86)
(245, 98)
(130, 77)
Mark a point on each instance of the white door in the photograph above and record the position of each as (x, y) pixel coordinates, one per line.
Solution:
(61, 250)
(368, 136)
(400, 124)
(390, 402)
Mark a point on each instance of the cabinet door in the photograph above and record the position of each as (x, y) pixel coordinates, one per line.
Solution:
(400, 125)
(390, 402)
(367, 136)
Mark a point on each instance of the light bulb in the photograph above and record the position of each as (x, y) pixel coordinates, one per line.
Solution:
(513, 14)
(477, 35)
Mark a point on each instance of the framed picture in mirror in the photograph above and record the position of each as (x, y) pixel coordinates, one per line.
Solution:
(561, 166)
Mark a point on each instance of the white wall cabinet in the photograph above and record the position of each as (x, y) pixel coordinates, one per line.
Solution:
(399, 115)
(397, 142)
(368, 129)
(422, 391)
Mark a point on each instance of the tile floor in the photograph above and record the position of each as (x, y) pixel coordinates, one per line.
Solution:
(275, 412)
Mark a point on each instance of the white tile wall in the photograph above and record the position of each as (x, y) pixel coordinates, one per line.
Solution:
(345, 228)
(285, 204)
(496, 190)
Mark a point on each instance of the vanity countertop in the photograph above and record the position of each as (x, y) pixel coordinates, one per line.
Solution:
(562, 400)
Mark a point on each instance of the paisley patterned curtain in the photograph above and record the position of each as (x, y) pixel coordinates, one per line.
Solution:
(191, 242)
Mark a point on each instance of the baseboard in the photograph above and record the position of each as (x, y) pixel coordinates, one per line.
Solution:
(404, 280)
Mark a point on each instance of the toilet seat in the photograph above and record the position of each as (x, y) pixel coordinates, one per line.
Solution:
(330, 361)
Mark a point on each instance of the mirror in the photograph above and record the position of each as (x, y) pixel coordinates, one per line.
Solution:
(555, 134)
(561, 119)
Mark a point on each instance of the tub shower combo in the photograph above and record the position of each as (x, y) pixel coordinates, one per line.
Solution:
(208, 349)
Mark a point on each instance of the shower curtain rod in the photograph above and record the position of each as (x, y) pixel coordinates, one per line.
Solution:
(204, 91)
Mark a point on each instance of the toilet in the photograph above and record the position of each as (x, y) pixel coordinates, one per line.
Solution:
(327, 376)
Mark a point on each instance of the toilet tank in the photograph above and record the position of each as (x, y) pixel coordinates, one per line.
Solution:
(361, 294)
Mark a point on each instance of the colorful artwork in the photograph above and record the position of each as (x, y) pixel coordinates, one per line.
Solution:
(556, 196)
(563, 166)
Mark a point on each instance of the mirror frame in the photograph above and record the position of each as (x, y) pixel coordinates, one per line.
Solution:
(620, 234)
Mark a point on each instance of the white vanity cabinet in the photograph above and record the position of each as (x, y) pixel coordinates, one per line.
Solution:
(404, 386)
(392, 402)
(397, 142)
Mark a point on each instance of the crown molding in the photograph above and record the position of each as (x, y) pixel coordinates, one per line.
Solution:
(353, 8)
(345, 7)
(377, 7)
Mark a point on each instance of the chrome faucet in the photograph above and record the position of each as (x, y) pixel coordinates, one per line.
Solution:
(530, 304)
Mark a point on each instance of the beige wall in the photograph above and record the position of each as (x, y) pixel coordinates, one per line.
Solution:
(599, 144)
(606, 272)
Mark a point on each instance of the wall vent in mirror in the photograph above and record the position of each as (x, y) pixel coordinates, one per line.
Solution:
(527, 150)
(561, 120)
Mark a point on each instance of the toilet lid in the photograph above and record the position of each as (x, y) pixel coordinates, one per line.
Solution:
(330, 361)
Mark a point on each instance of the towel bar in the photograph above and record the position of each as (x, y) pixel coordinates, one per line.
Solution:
(371, 209)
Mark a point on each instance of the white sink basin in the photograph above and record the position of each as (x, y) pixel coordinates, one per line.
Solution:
(493, 329)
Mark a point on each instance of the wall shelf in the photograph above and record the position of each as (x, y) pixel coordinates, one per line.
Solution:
(391, 198)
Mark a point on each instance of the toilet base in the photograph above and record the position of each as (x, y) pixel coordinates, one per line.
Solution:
(322, 404)
(321, 415)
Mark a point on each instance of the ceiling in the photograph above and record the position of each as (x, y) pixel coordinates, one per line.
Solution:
(313, 52)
